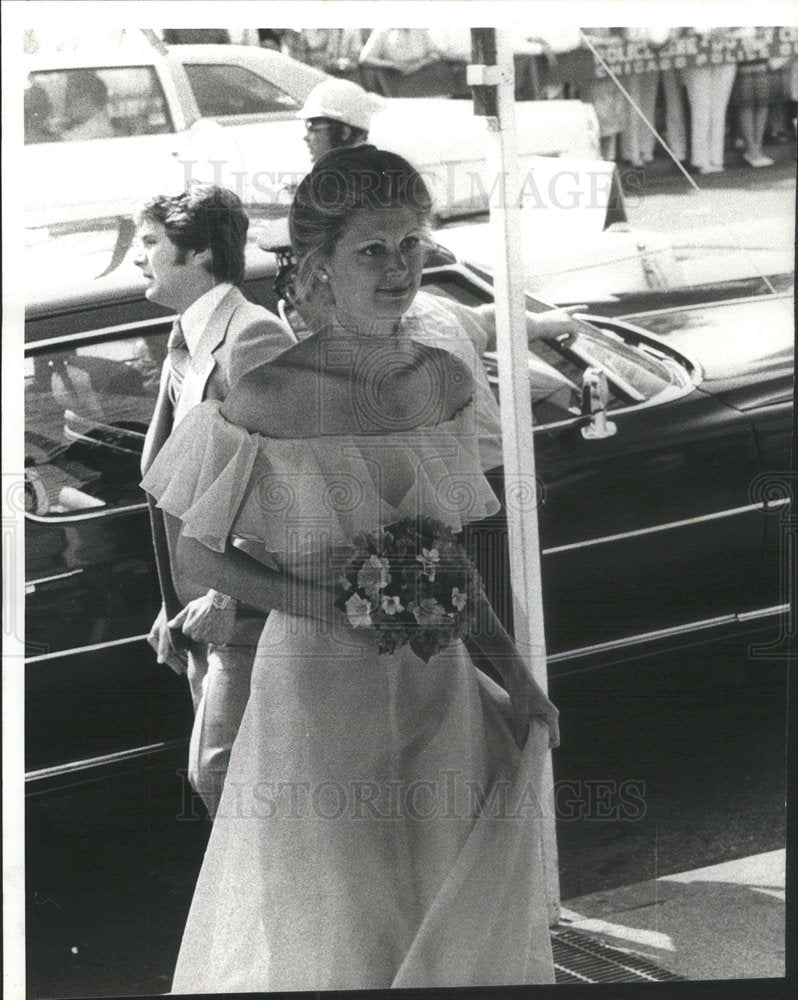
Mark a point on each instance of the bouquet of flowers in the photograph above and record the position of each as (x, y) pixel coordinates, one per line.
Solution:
(410, 585)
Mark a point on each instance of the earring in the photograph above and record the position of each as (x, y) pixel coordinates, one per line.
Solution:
(323, 276)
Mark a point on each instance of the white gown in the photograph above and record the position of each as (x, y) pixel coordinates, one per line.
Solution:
(379, 827)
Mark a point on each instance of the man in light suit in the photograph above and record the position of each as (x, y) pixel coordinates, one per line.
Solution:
(192, 255)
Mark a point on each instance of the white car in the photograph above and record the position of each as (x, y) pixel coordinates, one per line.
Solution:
(228, 113)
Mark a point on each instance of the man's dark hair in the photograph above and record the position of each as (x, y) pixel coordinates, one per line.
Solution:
(342, 134)
(204, 217)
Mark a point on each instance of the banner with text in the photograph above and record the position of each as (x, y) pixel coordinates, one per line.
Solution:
(690, 48)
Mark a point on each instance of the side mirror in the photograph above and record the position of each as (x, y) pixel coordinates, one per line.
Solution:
(595, 394)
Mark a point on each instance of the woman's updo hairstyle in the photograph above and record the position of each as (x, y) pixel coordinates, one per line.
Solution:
(345, 181)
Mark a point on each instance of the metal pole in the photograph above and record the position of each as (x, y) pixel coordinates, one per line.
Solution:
(493, 79)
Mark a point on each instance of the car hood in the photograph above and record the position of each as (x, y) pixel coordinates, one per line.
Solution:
(746, 347)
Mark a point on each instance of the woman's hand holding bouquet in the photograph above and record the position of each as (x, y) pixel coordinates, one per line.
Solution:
(413, 584)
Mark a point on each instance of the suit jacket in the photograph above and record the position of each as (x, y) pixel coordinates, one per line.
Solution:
(238, 337)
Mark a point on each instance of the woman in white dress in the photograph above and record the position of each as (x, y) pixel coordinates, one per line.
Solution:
(379, 825)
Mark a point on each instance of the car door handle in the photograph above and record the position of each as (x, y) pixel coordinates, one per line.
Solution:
(32, 585)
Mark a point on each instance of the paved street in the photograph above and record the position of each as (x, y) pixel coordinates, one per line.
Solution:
(725, 921)
(752, 210)
(668, 763)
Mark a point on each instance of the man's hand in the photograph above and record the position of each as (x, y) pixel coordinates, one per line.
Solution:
(162, 644)
(203, 621)
(553, 323)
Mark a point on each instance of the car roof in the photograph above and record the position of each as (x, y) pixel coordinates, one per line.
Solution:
(89, 60)
(295, 77)
(291, 74)
(134, 52)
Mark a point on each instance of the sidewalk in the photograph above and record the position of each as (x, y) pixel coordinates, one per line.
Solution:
(663, 173)
(721, 922)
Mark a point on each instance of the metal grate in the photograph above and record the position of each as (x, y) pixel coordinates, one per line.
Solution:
(579, 958)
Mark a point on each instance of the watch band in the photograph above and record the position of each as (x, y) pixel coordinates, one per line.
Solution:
(220, 601)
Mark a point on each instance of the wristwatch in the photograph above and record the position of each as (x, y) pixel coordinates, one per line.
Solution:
(220, 601)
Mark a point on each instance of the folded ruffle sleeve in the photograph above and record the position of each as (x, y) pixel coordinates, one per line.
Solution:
(202, 473)
(288, 498)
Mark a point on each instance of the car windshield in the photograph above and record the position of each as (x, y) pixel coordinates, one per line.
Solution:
(636, 373)
(557, 367)
(633, 376)
(233, 90)
(722, 330)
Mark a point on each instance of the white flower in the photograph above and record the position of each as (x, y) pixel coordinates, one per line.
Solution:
(429, 612)
(429, 559)
(358, 611)
(391, 605)
(373, 575)
(344, 583)
(458, 598)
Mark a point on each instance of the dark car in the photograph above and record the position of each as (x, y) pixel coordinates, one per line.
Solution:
(652, 435)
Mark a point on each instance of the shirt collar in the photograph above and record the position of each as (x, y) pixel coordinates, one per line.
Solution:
(195, 319)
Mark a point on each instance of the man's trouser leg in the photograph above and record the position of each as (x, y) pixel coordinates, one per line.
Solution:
(224, 696)
(722, 83)
(197, 669)
(674, 113)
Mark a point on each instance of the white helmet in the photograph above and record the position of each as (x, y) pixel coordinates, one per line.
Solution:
(342, 101)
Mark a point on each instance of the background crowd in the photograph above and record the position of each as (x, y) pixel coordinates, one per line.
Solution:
(701, 110)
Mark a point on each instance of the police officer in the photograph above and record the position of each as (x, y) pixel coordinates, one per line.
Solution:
(336, 113)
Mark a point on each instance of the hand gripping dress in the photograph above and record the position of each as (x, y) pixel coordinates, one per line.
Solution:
(379, 827)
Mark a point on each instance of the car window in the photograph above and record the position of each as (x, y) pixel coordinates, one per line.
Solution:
(233, 90)
(87, 410)
(79, 104)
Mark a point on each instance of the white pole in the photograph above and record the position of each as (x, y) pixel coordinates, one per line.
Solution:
(495, 99)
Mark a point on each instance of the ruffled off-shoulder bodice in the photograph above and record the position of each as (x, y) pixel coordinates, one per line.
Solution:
(292, 497)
